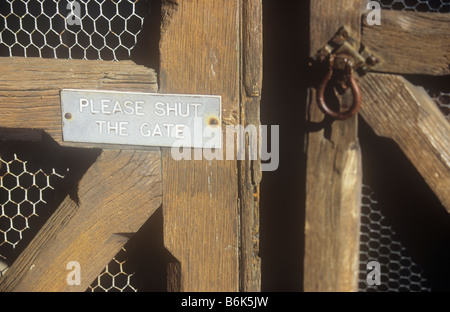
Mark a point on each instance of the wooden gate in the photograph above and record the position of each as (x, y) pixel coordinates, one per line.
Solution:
(391, 105)
(209, 208)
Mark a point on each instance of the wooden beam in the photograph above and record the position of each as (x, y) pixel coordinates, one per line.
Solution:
(30, 87)
(396, 109)
(200, 54)
(333, 181)
(116, 196)
(410, 42)
(250, 170)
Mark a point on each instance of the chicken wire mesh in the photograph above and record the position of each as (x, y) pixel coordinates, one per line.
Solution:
(141, 265)
(79, 29)
(441, 6)
(378, 242)
(24, 189)
(118, 276)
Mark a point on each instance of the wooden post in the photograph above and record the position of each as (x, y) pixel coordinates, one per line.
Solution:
(333, 190)
(250, 170)
(200, 54)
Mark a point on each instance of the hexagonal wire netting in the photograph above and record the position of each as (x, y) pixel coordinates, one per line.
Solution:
(379, 242)
(116, 277)
(441, 6)
(24, 188)
(79, 29)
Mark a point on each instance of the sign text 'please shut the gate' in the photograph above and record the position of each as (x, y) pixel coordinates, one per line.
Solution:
(146, 119)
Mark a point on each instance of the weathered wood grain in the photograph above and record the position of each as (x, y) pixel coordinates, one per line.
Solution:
(200, 54)
(410, 42)
(30, 89)
(333, 181)
(396, 109)
(250, 170)
(252, 15)
(117, 195)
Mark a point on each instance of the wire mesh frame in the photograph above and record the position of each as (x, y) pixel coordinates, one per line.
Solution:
(78, 29)
(440, 6)
(116, 277)
(379, 243)
(24, 190)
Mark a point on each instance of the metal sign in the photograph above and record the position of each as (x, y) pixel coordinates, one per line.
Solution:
(147, 119)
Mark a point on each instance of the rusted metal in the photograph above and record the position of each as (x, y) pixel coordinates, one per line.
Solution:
(346, 80)
(372, 61)
(213, 121)
(343, 43)
(344, 57)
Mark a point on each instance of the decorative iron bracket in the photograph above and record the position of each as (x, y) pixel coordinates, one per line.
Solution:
(343, 43)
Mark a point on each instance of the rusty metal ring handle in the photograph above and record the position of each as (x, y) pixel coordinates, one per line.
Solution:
(356, 91)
